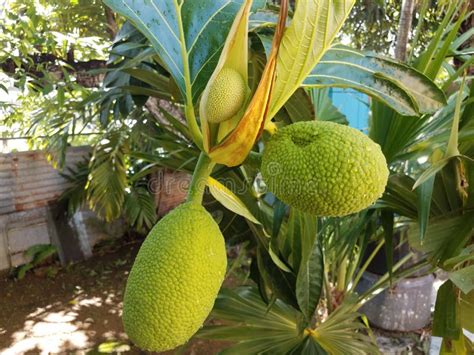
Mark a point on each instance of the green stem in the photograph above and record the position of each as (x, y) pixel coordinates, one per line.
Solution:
(341, 275)
(327, 286)
(189, 107)
(452, 149)
(366, 264)
(201, 173)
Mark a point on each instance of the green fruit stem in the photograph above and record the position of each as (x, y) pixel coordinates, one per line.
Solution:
(201, 173)
(192, 123)
(189, 107)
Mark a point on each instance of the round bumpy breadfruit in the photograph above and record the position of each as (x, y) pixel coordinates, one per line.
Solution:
(226, 96)
(175, 279)
(324, 168)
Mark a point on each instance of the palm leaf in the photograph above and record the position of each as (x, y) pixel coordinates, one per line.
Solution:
(256, 327)
(140, 209)
(344, 333)
(108, 175)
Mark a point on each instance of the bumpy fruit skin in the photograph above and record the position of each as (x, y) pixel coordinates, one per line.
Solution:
(226, 96)
(175, 279)
(324, 168)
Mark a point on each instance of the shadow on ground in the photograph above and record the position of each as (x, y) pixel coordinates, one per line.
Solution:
(77, 311)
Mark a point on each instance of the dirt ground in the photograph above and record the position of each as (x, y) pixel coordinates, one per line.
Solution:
(78, 311)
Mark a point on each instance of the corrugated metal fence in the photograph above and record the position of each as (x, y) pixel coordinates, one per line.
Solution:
(28, 185)
(30, 213)
(27, 179)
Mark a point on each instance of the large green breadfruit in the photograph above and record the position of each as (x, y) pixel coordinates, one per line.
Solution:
(324, 168)
(175, 279)
(226, 96)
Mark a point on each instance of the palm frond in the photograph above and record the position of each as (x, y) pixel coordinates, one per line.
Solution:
(257, 328)
(107, 179)
(75, 195)
(139, 208)
(344, 332)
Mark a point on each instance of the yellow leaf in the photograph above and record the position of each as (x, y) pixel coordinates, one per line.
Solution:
(233, 150)
(229, 200)
(234, 55)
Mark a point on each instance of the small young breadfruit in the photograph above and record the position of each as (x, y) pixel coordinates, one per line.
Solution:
(324, 168)
(226, 96)
(175, 279)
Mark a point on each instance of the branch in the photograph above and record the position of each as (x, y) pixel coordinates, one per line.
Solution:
(55, 66)
(112, 26)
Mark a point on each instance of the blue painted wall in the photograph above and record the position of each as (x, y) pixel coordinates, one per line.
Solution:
(354, 105)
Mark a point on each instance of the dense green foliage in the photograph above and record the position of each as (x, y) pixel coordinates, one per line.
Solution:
(304, 270)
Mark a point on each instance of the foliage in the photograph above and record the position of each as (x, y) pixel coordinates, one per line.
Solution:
(301, 266)
(289, 266)
(279, 329)
(47, 49)
(372, 25)
(437, 206)
(37, 254)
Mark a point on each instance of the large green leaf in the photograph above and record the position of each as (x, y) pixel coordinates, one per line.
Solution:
(343, 332)
(463, 278)
(205, 25)
(466, 311)
(396, 84)
(393, 83)
(257, 328)
(313, 28)
(446, 320)
(395, 133)
(309, 281)
(445, 237)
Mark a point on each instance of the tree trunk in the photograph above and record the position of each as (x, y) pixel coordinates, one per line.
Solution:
(404, 28)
